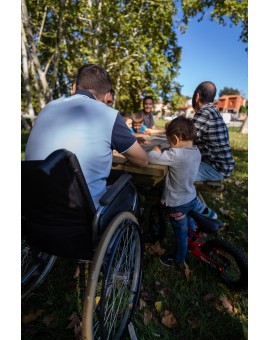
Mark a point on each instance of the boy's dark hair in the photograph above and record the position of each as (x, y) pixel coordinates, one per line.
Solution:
(207, 91)
(182, 127)
(148, 97)
(93, 77)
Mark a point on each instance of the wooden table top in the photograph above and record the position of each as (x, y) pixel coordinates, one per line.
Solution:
(153, 174)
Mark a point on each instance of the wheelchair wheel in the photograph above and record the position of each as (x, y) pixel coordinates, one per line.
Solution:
(233, 263)
(35, 266)
(115, 280)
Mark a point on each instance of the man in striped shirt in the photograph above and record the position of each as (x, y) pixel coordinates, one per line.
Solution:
(212, 135)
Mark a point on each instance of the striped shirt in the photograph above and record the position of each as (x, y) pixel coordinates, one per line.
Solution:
(213, 139)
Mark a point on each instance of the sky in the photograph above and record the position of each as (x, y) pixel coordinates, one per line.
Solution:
(212, 52)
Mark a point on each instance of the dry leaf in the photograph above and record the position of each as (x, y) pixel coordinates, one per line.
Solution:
(158, 306)
(187, 271)
(224, 212)
(194, 323)
(169, 320)
(226, 303)
(224, 227)
(156, 248)
(142, 304)
(238, 183)
(147, 317)
(26, 318)
(74, 320)
(50, 320)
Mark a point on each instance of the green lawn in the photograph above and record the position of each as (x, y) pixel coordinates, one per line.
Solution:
(195, 303)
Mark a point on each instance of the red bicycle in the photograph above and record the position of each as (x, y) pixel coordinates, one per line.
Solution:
(223, 258)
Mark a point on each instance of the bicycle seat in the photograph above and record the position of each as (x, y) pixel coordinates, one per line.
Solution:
(206, 224)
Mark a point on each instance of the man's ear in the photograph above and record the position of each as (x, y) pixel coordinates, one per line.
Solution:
(106, 97)
(197, 97)
(74, 88)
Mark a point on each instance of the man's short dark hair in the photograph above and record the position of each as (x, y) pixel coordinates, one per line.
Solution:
(93, 77)
(112, 93)
(148, 97)
(207, 91)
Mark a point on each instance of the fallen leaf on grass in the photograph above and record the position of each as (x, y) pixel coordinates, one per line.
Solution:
(51, 320)
(238, 183)
(158, 306)
(142, 304)
(224, 227)
(147, 317)
(32, 316)
(156, 248)
(223, 302)
(169, 320)
(194, 323)
(224, 212)
(226, 303)
(75, 323)
(187, 271)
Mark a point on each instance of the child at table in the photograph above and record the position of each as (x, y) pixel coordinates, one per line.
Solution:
(138, 126)
(179, 194)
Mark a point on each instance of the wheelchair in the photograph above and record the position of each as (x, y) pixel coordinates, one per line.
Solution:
(59, 219)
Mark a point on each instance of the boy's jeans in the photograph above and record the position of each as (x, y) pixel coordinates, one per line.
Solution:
(179, 222)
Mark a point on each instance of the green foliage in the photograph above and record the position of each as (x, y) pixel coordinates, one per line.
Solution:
(134, 40)
(235, 10)
(228, 91)
(243, 109)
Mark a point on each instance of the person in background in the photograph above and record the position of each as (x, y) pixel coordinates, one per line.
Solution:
(128, 120)
(179, 193)
(147, 113)
(86, 126)
(212, 135)
(110, 100)
(138, 126)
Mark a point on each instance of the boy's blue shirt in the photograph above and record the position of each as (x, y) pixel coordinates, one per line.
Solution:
(142, 128)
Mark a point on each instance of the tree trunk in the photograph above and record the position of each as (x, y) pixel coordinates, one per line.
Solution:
(31, 111)
(34, 56)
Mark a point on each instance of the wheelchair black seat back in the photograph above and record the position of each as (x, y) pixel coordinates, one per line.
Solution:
(58, 210)
(59, 219)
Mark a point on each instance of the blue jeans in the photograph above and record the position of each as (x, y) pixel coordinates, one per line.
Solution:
(179, 222)
(208, 173)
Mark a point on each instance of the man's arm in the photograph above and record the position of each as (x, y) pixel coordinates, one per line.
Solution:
(136, 155)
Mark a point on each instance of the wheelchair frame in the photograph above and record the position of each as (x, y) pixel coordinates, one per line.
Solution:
(114, 280)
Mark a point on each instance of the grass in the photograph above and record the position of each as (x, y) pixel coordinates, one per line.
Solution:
(197, 316)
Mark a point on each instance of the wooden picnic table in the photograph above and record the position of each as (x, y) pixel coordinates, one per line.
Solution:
(151, 175)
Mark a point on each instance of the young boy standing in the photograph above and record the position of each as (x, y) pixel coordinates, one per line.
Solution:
(179, 195)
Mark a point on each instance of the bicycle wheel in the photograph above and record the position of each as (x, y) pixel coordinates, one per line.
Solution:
(157, 224)
(115, 280)
(233, 263)
(35, 266)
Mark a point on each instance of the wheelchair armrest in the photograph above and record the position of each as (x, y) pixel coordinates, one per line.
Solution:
(114, 190)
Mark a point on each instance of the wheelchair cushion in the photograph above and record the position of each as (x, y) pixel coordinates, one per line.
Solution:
(57, 206)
